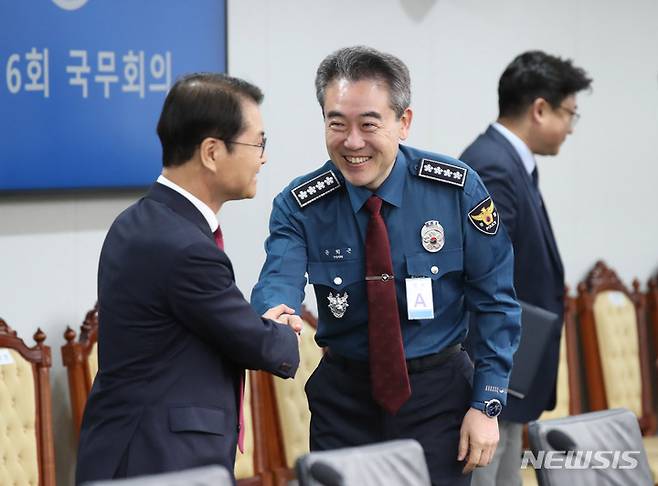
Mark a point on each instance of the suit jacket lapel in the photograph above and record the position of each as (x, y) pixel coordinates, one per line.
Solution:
(535, 195)
(550, 237)
(179, 204)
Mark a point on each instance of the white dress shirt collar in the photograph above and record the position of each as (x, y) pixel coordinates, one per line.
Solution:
(519, 145)
(203, 208)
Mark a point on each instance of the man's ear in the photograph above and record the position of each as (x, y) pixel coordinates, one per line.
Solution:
(405, 123)
(538, 109)
(211, 151)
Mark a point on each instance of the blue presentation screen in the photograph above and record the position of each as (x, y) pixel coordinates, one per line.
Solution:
(84, 81)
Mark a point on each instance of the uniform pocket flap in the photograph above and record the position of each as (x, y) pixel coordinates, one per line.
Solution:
(197, 419)
(336, 275)
(435, 265)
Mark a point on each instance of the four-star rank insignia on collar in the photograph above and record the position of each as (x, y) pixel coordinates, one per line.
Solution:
(484, 217)
(316, 188)
(442, 172)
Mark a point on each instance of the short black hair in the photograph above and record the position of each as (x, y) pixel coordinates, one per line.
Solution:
(361, 62)
(535, 74)
(201, 105)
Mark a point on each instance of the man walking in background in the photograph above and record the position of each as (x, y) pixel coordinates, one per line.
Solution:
(537, 110)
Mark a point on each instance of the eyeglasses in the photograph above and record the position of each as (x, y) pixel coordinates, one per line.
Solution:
(575, 116)
(260, 145)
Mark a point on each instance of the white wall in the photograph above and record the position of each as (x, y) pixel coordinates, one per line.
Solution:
(599, 190)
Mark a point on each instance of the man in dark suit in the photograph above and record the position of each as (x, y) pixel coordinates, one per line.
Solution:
(537, 110)
(175, 333)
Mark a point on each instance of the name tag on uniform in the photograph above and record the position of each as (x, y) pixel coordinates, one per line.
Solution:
(5, 357)
(420, 301)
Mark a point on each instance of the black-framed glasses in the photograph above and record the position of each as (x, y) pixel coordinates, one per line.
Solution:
(260, 145)
(575, 116)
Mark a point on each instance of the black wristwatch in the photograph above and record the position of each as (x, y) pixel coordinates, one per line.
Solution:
(492, 408)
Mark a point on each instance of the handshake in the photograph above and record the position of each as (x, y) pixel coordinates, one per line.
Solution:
(285, 315)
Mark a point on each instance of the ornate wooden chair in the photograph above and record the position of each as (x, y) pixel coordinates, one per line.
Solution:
(80, 357)
(652, 304)
(616, 350)
(27, 453)
(288, 428)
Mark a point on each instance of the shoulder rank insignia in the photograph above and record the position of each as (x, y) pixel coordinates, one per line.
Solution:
(442, 172)
(484, 217)
(316, 188)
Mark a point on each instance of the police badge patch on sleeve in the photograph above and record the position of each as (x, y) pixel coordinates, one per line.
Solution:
(484, 217)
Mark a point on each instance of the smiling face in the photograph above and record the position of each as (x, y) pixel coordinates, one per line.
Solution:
(362, 131)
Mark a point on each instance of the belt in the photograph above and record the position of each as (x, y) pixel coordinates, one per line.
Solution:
(414, 365)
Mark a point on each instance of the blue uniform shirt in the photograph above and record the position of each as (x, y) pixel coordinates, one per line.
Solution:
(318, 227)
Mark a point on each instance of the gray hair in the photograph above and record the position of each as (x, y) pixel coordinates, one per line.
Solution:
(361, 62)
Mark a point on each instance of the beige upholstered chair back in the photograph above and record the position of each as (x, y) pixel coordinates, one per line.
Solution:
(616, 329)
(562, 401)
(615, 344)
(244, 463)
(26, 442)
(294, 414)
(18, 439)
(92, 363)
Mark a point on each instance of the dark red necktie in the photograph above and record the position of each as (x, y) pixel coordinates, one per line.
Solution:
(388, 368)
(219, 239)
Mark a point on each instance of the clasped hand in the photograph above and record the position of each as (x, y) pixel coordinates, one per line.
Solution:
(285, 315)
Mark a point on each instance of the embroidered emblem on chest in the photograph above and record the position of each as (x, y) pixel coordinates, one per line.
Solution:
(338, 305)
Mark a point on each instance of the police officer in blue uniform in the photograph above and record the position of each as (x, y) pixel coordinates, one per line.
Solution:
(448, 256)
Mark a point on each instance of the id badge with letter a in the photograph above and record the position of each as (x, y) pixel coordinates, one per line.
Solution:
(420, 300)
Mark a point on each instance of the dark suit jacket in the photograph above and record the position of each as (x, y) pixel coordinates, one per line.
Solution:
(175, 335)
(538, 271)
